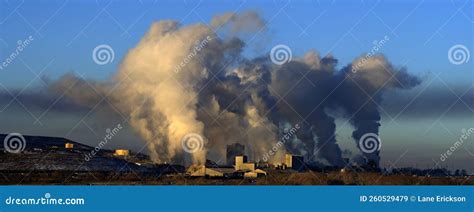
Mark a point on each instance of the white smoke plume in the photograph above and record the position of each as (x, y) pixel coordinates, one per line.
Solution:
(190, 79)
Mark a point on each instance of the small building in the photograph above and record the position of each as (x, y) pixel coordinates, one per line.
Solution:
(294, 162)
(122, 152)
(241, 164)
(203, 171)
(280, 166)
(239, 161)
(254, 174)
(69, 146)
(196, 171)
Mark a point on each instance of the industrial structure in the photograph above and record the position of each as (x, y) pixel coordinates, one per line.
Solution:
(294, 162)
(69, 146)
(214, 172)
(60, 158)
(232, 151)
(122, 152)
(241, 164)
(241, 169)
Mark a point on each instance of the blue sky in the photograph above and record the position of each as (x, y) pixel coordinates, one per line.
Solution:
(420, 34)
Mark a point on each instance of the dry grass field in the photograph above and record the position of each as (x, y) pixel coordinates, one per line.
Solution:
(274, 177)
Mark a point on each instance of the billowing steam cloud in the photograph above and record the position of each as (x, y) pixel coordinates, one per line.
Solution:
(190, 79)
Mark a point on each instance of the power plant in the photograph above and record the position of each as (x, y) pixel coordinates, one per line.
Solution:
(47, 160)
(238, 166)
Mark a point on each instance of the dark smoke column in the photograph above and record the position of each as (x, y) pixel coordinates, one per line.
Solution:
(365, 125)
(362, 85)
(305, 86)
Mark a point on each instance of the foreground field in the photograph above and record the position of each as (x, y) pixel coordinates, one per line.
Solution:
(274, 177)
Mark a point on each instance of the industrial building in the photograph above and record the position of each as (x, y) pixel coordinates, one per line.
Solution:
(69, 146)
(241, 164)
(248, 168)
(122, 152)
(242, 169)
(294, 162)
(234, 150)
(203, 171)
(255, 173)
